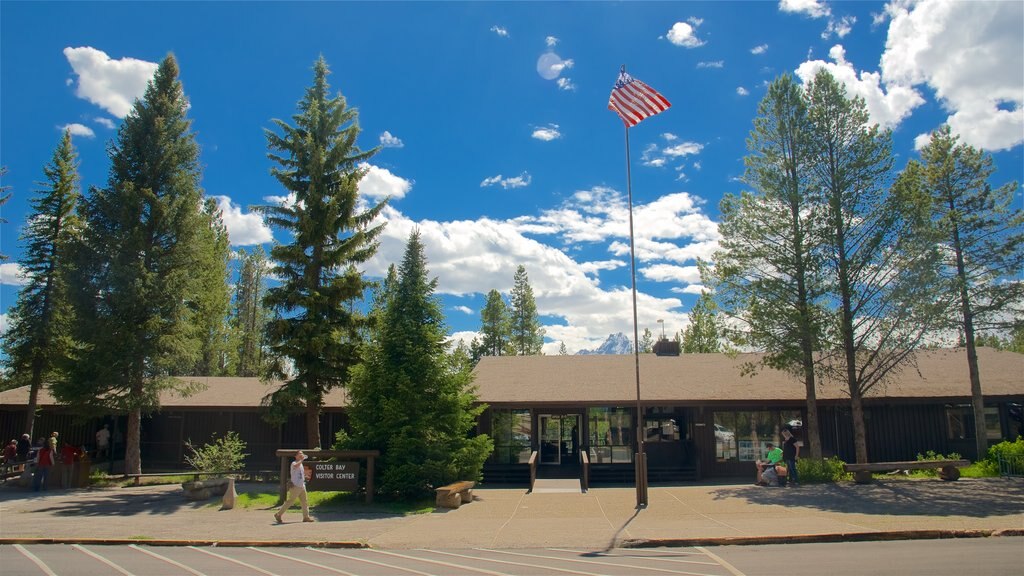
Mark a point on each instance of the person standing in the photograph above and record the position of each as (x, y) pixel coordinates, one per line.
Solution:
(24, 445)
(53, 441)
(296, 489)
(10, 457)
(68, 454)
(44, 461)
(790, 453)
(103, 441)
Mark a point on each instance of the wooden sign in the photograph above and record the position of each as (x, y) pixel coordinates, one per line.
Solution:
(332, 476)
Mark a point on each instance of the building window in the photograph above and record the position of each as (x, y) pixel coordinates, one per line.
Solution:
(960, 422)
(660, 425)
(744, 436)
(611, 435)
(512, 434)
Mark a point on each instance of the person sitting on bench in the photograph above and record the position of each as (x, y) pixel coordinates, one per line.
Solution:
(766, 473)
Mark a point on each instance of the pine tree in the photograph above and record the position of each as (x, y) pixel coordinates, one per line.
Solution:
(41, 319)
(881, 274)
(250, 315)
(705, 329)
(412, 399)
(527, 336)
(211, 305)
(983, 232)
(135, 270)
(561, 349)
(4, 197)
(495, 327)
(319, 330)
(766, 276)
(647, 342)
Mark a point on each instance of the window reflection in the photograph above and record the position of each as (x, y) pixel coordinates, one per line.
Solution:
(611, 435)
(512, 433)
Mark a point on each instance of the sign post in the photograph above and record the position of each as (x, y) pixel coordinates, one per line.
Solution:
(341, 476)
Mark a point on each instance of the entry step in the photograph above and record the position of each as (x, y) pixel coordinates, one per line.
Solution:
(557, 485)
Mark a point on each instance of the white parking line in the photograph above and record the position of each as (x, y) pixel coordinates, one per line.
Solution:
(657, 558)
(439, 563)
(229, 559)
(96, 556)
(358, 559)
(577, 560)
(301, 561)
(166, 559)
(724, 564)
(516, 563)
(35, 560)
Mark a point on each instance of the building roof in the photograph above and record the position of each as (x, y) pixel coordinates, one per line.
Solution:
(695, 378)
(226, 392)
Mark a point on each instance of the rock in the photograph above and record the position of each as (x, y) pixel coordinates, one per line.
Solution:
(229, 496)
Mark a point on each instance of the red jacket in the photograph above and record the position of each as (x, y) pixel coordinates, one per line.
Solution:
(45, 457)
(67, 454)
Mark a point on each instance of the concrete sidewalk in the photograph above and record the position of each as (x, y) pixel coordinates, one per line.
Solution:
(682, 514)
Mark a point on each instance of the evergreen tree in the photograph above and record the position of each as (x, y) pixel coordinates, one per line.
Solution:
(250, 316)
(527, 337)
(647, 342)
(983, 233)
(135, 268)
(767, 275)
(410, 398)
(705, 329)
(561, 349)
(880, 273)
(212, 303)
(495, 326)
(41, 319)
(4, 197)
(319, 330)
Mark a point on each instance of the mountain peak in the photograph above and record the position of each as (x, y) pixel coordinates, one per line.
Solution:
(617, 343)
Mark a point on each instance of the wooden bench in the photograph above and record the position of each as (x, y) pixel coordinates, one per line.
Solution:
(455, 494)
(948, 469)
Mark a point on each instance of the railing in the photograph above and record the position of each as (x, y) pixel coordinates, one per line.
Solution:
(586, 471)
(533, 469)
(1011, 466)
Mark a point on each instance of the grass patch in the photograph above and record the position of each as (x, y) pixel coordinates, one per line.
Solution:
(350, 502)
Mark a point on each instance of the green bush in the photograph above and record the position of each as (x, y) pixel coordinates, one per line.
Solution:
(1011, 453)
(222, 455)
(826, 470)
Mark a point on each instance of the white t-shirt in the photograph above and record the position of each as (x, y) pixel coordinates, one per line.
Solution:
(103, 437)
(298, 475)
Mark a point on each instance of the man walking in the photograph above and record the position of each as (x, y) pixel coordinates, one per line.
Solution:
(296, 489)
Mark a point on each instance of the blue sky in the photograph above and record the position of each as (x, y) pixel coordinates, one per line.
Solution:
(497, 143)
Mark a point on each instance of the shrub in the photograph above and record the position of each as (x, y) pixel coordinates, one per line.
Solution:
(1011, 454)
(825, 470)
(223, 454)
(932, 455)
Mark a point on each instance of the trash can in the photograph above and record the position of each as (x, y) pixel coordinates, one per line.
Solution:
(82, 474)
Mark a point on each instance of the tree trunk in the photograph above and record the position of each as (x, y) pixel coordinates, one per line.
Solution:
(313, 425)
(33, 398)
(811, 432)
(132, 452)
(977, 400)
(860, 443)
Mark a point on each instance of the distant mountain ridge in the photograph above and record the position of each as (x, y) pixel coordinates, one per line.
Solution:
(616, 343)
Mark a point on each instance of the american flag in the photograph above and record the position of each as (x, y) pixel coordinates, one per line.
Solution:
(633, 100)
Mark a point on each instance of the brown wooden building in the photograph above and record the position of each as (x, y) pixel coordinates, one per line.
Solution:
(703, 416)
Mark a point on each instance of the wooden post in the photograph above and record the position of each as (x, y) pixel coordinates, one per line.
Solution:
(369, 479)
(282, 491)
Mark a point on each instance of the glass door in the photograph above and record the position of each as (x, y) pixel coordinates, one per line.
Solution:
(570, 439)
(550, 439)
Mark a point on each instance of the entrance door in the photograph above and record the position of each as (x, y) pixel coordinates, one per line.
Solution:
(559, 439)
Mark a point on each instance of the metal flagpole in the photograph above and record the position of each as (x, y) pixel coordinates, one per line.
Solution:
(641, 459)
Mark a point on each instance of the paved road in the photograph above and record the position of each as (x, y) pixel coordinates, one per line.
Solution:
(979, 557)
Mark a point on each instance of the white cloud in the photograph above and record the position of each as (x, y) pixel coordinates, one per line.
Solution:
(684, 149)
(113, 85)
(387, 140)
(551, 65)
(500, 31)
(683, 34)
(463, 309)
(507, 183)
(594, 267)
(695, 21)
(696, 166)
(812, 8)
(655, 162)
(888, 107)
(78, 130)
(547, 133)
(669, 137)
(972, 55)
(839, 26)
(696, 289)
(566, 84)
(11, 274)
(711, 64)
(5, 323)
(671, 273)
(243, 229)
(922, 140)
(761, 49)
(105, 122)
(551, 41)
(740, 90)
(379, 183)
